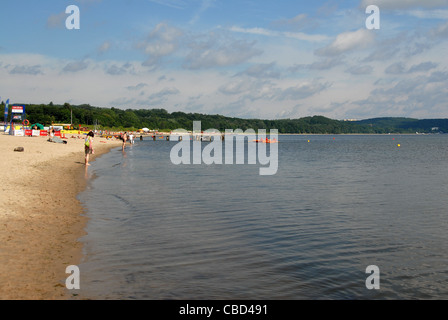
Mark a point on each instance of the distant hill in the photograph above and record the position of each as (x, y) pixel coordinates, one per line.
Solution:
(131, 119)
(408, 125)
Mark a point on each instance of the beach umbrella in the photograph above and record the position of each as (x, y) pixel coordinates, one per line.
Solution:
(39, 126)
(145, 129)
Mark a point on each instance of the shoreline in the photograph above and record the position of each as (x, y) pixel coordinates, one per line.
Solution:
(41, 218)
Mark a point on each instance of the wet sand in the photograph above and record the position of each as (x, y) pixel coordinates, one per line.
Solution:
(41, 219)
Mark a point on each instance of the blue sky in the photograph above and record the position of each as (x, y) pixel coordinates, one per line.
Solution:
(252, 59)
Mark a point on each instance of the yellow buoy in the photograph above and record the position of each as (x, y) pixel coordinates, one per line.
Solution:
(398, 145)
(308, 140)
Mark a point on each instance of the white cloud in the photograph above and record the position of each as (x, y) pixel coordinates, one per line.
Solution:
(386, 49)
(298, 20)
(360, 70)
(75, 66)
(271, 33)
(441, 31)
(319, 65)
(395, 68)
(262, 71)
(303, 90)
(164, 93)
(429, 14)
(137, 87)
(29, 70)
(115, 70)
(236, 86)
(243, 88)
(347, 41)
(325, 64)
(215, 52)
(424, 66)
(161, 42)
(400, 68)
(105, 47)
(56, 20)
(419, 96)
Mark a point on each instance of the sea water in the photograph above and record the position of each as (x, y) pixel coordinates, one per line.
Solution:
(337, 205)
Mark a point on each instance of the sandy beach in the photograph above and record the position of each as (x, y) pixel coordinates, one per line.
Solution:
(41, 219)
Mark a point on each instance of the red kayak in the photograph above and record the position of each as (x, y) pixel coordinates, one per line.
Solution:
(265, 141)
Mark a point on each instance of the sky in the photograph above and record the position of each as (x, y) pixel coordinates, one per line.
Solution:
(240, 58)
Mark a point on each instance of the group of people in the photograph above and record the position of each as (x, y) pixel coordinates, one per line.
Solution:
(88, 145)
(127, 137)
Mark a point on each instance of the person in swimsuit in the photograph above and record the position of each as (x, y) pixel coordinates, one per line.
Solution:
(88, 147)
(124, 137)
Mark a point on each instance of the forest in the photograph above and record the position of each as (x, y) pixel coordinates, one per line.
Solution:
(160, 119)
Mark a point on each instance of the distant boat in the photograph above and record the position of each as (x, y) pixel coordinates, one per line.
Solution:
(265, 141)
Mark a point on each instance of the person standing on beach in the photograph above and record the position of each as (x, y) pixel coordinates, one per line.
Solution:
(124, 138)
(88, 147)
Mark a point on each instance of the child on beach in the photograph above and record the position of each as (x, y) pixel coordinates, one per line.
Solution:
(51, 134)
(88, 147)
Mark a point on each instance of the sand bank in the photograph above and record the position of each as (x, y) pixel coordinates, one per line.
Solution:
(40, 218)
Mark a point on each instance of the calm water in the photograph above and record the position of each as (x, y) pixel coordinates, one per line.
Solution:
(336, 206)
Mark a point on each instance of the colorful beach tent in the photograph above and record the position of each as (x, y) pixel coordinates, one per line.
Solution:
(39, 126)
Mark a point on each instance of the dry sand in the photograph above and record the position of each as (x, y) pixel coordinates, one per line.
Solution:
(41, 219)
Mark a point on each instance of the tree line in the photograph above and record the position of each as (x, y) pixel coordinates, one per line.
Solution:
(160, 119)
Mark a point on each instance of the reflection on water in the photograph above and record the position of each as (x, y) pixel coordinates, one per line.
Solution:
(336, 205)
